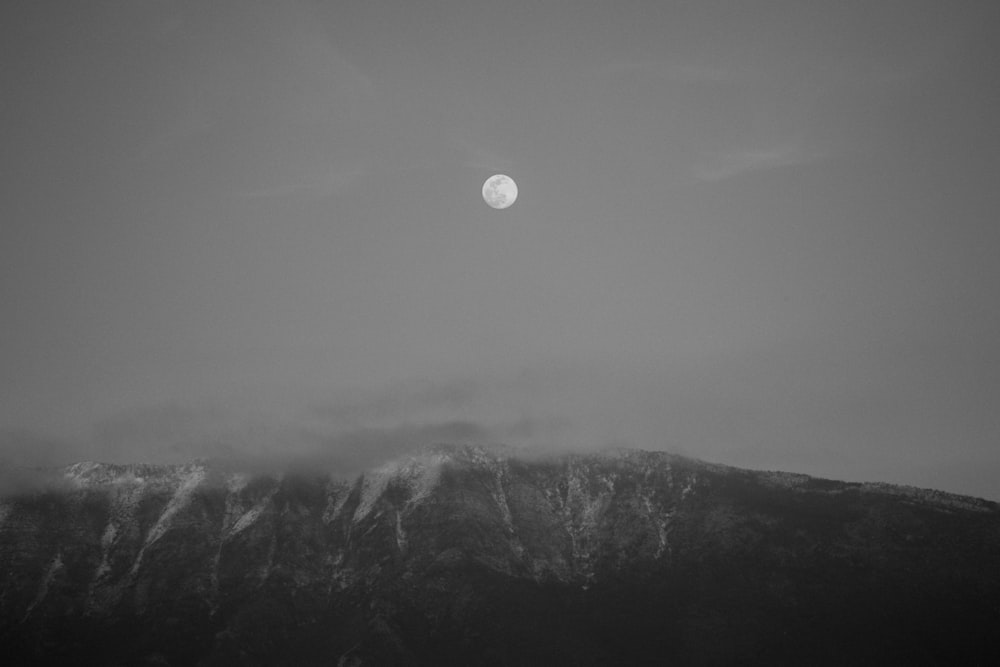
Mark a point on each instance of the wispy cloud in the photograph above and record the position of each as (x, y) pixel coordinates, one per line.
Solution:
(482, 157)
(681, 72)
(721, 165)
(324, 184)
(289, 94)
(23, 448)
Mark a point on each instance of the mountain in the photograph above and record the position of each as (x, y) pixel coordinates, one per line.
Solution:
(468, 555)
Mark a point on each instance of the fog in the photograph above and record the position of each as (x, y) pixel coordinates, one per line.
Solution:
(768, 415)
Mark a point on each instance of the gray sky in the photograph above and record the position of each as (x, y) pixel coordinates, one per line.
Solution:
(761, 233)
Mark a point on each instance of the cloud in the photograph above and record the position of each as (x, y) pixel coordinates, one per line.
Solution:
(405, 401)
(352, 452)
(721, 165)
(174, 432)
(324, 184)
(344, 433)
(22, 448)
(361, 431)
(680, 72)
(28, 459)
(480, 157)
(803, 405)
(264, 99)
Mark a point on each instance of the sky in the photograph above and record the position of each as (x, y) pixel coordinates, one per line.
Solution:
(761, 233)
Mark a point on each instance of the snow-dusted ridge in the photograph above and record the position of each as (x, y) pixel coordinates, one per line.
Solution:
(253, 555)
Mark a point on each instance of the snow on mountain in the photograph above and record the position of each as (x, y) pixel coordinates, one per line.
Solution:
(437, 543)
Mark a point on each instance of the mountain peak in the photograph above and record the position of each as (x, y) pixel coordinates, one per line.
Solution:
(475, 549)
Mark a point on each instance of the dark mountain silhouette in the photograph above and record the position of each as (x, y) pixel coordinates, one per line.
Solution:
(467, 555)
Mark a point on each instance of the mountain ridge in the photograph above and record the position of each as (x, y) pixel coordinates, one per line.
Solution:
(443, 557)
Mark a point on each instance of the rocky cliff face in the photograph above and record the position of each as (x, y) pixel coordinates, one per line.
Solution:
(466, 555)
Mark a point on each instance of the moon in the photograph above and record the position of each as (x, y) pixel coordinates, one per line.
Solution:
(499, 191)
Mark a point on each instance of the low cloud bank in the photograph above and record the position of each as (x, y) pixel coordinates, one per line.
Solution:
(777, 411)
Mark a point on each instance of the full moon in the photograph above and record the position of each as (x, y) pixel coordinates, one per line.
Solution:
(499, 191)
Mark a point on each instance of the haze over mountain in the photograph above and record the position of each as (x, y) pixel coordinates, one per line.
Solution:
(473, 555)
(761, 233)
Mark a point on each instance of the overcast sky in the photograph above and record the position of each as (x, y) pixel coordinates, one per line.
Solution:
(759, 233)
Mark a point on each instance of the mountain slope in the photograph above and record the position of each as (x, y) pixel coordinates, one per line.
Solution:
(468, 555)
